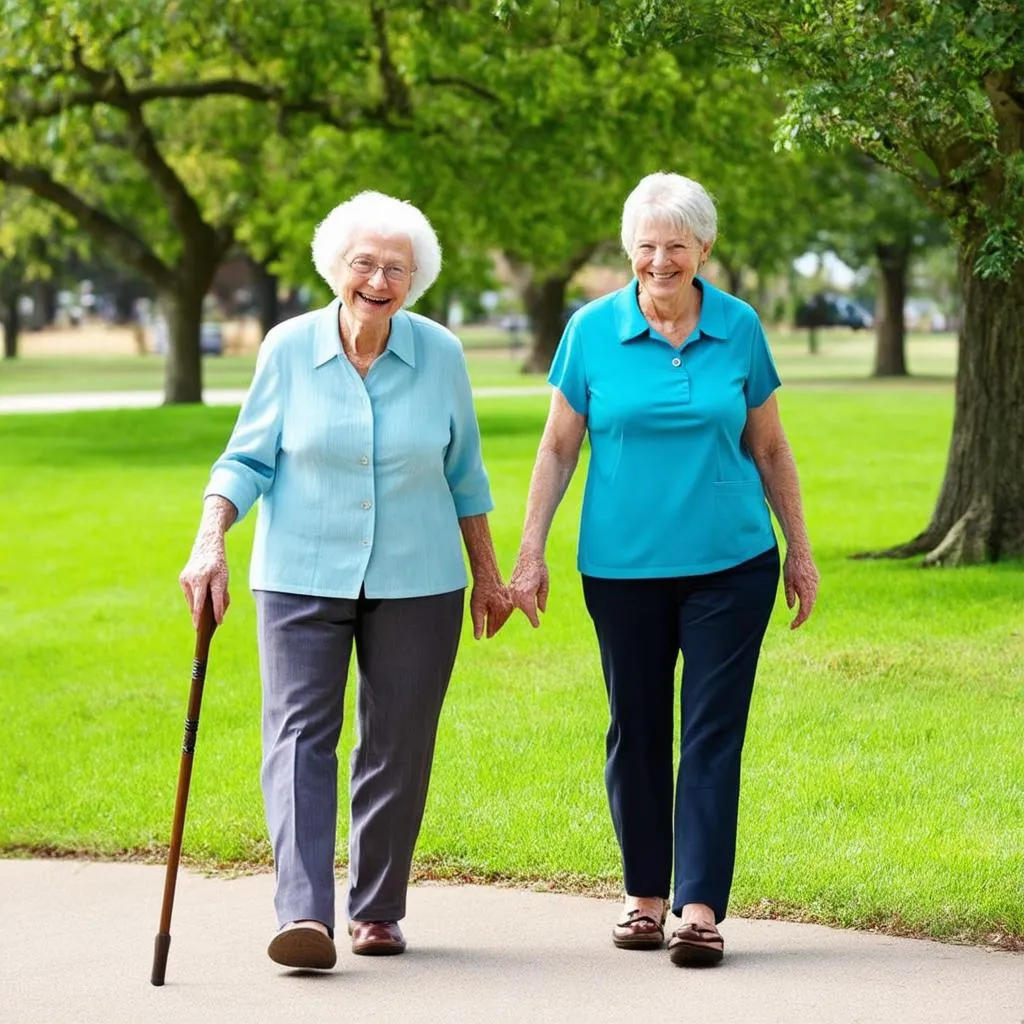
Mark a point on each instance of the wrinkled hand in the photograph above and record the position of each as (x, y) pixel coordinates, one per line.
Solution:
(529, 586)
(489, 606)
(800, 578)
(206, 571)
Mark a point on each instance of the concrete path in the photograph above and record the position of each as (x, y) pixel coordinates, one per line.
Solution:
(76, 946)
(86, 400)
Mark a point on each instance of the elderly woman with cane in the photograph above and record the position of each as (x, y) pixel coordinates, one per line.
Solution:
(359, 439)
(674, 383)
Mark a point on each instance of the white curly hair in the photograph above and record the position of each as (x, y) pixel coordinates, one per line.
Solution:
(383, 215)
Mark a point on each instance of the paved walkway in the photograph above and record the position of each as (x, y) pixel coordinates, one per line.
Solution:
(76, 946)
(86, 400)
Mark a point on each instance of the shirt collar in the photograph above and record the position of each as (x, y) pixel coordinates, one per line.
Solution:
(632, 324)
(327, 344)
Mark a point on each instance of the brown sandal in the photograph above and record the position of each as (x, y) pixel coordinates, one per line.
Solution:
(696, 943)
(640, 931)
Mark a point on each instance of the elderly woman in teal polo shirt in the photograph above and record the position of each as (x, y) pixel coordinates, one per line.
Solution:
(674, 383)
(359, 441)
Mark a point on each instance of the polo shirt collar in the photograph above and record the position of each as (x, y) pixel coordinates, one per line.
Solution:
(327, 342)
(632, 324)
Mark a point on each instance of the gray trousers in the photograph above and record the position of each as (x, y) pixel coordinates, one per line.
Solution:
(405, 652)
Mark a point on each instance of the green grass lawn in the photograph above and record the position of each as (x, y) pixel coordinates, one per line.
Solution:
(883, 776)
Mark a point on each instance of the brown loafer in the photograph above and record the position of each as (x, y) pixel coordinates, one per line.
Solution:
(376, 938)
(696, 943)
(302, 947)
(639, 931)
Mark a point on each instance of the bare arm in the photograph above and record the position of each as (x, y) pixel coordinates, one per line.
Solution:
(557, 455)
(489, 602)
(767, 443)
(207, 567)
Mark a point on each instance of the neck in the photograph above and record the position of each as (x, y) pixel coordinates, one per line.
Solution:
(670, 309)
(363, 339)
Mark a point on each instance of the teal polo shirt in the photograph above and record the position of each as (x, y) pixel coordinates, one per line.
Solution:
(671, 490)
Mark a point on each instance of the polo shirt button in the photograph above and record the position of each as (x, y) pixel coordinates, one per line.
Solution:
(366, 542)
(367, 504)
(364, 461)
(677, 361)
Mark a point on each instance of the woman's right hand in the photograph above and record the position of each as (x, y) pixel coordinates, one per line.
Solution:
(206, 572)
(528, 586)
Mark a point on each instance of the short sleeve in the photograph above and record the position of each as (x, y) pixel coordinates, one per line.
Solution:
(762, 377)
(568, 372)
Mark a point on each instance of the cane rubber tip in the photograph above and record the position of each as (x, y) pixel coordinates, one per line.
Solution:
(163, 944)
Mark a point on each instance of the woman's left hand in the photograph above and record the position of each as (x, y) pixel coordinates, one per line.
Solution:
(489, 606)
(800, 578)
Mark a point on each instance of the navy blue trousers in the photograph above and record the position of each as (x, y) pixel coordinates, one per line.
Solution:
(717, 621)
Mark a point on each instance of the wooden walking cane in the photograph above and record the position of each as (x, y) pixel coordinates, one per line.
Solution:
(204, 633)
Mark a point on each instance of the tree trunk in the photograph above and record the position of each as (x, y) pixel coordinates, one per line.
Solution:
(812, 341)
(761, 298)
(435, 305)
(183, 369)
(545, 305)
(544, 299)
(12, 323)
(734, 277)
(44, 304)
(980, 512)
(891, 336)
(266, 285)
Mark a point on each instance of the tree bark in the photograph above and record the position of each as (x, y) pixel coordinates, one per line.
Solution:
(183, 368)
(734, 277)
(266, 285)
(979, 516)
(12, 323)
(44, 304)
(544, 299)
(891, 336)
(545, 306)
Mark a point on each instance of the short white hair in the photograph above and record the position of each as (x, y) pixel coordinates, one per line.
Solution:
(672, 199)
(383, 215)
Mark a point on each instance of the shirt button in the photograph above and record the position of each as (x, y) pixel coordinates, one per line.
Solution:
(367, 504)
(677, 361)
(364, 461)
(366, 542)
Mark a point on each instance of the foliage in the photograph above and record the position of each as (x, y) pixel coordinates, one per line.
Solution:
(933, 89)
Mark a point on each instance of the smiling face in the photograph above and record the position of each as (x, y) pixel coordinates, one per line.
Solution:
(666, 258)
(371, 295)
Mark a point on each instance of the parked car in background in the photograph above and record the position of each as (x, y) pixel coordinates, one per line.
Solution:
(829, 309)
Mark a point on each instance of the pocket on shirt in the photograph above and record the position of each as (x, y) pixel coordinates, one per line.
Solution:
(742, 524)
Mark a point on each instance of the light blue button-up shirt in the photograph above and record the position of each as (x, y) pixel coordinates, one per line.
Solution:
(671, 488)
(361, 483)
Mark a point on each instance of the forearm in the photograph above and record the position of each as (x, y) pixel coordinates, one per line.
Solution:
(218, 515)
(551, 475)
(476, 535)
(782, 488)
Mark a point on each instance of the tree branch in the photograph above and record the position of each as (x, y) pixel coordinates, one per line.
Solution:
(120, 239)
(396, 91)
(240, 87)
(461, 83)
(183, 209)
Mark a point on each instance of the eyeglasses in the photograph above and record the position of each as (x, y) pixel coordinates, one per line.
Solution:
(394, 272)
